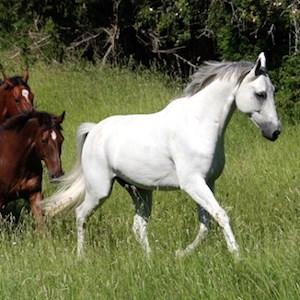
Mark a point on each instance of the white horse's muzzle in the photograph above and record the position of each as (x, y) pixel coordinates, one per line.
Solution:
(270, 129)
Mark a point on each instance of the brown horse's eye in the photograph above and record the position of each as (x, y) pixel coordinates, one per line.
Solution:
(44, 141)
(17, 100)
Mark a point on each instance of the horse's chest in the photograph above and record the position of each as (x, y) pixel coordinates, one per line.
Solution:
(22, 188)
(29, 184)
(20, 181)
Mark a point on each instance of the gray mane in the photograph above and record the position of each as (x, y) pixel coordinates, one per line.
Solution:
(211, 71)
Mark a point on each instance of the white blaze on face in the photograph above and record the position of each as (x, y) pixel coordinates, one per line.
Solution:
(53, 135)
(25, 94)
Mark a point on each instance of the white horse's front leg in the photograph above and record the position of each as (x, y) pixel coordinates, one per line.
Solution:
(202, 233)
(202, 194)
(204, 223)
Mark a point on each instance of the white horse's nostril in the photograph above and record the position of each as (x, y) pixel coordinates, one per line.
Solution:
(276, 134)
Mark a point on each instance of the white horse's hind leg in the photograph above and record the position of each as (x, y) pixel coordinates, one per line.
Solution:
(203, 195)
(143, 202)
(84, 210)
(140, 230)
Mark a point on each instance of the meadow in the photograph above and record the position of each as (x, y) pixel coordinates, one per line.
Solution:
(259, 188)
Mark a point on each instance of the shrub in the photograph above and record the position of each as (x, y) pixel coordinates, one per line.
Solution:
(288, 86)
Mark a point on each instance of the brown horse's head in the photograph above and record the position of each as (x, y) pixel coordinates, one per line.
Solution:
(48, 144)
(15, 95)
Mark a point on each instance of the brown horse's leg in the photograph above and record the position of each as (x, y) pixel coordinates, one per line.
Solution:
(35, 204)
(2, 205)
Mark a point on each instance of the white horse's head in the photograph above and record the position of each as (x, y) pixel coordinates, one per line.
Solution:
(255, 97)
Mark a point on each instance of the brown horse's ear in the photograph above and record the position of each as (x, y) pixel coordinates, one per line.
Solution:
(60, 118)
(7, 80)
(25, 76)
(3, 86)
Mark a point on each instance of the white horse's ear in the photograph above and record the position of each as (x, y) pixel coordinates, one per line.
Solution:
(263, 60)
(260, 64)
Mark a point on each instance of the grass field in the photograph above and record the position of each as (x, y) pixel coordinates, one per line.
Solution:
(260, 189)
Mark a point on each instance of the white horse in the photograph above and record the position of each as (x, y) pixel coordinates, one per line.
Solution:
(180, 147)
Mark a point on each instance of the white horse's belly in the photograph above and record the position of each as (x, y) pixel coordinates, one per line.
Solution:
(146, 170)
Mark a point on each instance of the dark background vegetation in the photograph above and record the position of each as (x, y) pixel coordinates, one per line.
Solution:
(174, 35)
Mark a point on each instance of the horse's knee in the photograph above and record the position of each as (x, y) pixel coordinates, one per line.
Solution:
(80, 222)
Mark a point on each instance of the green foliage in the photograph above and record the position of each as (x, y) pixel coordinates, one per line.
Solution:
(235, 29)
(168, 21)
(244, 28)
(288, 95)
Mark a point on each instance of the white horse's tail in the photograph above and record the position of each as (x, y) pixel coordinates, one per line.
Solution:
(72, 185)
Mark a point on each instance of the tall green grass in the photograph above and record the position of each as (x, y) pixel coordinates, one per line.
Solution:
(259, 188)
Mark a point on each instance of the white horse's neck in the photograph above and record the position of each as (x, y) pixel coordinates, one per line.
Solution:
(215, 104)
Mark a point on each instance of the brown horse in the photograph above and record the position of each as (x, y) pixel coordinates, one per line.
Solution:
(15, 96)
(25, 140)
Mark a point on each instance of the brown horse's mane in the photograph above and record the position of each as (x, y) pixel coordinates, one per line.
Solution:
(45, 119)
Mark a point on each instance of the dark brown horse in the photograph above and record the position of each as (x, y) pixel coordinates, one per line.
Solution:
(15, 96)
(26, 140)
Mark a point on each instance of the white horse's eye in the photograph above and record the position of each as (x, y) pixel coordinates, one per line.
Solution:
(261, 95)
